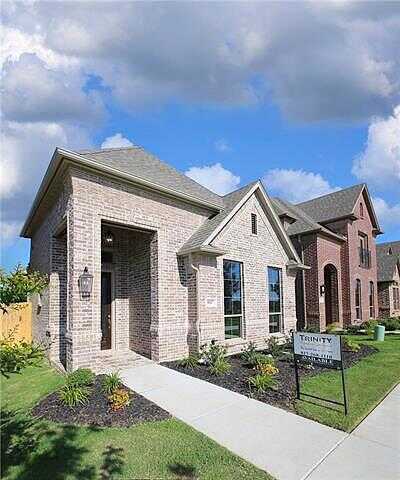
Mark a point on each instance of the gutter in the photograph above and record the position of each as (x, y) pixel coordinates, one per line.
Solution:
(196, 276)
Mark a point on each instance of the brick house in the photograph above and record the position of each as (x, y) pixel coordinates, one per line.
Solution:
(388, 257)
(172, 265)
(334, 235)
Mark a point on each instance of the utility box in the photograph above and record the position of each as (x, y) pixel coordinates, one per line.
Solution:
(379, 333)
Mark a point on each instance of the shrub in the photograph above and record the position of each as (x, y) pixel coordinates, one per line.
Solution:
(83, 377)
(212, 353)
(191, 361)
(369, 326)
(333, 327)
(262, 359)
(15, 356)
(72, 395)
(220, 366)
(118, 399)
(111, 382)
(262, 382)
(249, 353)
(352, 345)
(391, 324)
(274, 346)
(267, 369)
(311, 329)
(353, 329)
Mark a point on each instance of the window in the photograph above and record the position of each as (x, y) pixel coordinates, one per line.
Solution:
(254, 224)
(364, 253)
(233, 298)
(361, 210)
(371, 300)
(358, 299)
(275, 299)
(396, 298)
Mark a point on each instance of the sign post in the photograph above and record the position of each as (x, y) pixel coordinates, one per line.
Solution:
(320, 349)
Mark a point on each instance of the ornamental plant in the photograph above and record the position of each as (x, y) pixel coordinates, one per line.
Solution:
(267, 369)
(72, 395)
(262, 382)
(82, 377)
(220, 366)
(111, 382)
(212, 353)
(249, 354)
(191, 362)
(118, 399)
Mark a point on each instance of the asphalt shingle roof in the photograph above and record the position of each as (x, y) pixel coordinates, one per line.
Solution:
(386, 261)
(136, 161)
(333, 205)
(230, 201)
(304, 223)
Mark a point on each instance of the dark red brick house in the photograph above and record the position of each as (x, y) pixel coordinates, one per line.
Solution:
(388, 258)
(335, 236)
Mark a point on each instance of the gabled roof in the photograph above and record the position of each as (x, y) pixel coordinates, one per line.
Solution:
(203, 238)
(387, 257)
(333, 205)
(304, 223)
(136, 161)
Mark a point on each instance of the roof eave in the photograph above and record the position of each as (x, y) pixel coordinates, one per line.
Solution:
(208, 249)
(60, 154)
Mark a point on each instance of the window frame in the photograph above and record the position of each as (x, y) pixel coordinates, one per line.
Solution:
(254, 224)
(358, 305)
(234, 315)
(396, 297)
(371, 299)
(280, 314)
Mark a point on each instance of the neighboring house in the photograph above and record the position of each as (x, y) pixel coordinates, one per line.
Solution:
(388, 257)
(335, 236)
(174, 265)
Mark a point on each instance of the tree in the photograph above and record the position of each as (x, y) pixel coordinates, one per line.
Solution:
(18, 285)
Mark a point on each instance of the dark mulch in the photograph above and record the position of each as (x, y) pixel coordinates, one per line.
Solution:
(96, 412)
(285, 394)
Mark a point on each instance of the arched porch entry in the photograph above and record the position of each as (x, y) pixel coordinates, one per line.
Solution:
(331, 294)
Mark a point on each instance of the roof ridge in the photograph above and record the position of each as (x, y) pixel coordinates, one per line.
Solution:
(387, 243)
(332, 193)
(239, 189)
(111, 149)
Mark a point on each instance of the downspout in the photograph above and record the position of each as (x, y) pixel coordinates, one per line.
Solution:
(197, 322)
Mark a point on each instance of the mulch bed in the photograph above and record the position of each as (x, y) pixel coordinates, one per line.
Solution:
(285, 394)
(96, 412)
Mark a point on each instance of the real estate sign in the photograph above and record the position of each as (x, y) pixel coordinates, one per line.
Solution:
(317, 348)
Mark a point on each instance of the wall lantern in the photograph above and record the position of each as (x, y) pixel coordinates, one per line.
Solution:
(85, 283)
(109, 238)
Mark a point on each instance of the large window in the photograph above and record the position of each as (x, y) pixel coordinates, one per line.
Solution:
(363, 250)
(233, 298)
(275, 299)
(358, 299)
(371, 300)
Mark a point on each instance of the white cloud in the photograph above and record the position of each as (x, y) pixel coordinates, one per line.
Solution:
(388, 215)
(9, 232)
(296, 185)
(116, 141)
(221, 145)
(379, 164)
(214, 177)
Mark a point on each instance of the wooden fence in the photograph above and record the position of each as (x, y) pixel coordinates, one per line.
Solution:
(17, 322)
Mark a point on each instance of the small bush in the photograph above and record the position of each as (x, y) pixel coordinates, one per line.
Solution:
(262, 382)
(118, 399)
(212, 353)
(111, 382)
(333, 327)
(83, 377)
(15, 356)
(249, 353)
(353, 329)
(391, 324)
(191, 362)
(267, 369)
(352, 345)
(262, 359)
(311, 329)
(220, 367)
(72, 395)
(369, 326)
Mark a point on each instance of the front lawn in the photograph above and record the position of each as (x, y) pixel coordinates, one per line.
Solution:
(169, 449)
(367, 383)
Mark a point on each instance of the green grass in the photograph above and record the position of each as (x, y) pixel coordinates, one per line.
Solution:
(367, 382)
(32, 448)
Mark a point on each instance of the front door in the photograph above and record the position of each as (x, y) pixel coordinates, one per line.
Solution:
(106, 298)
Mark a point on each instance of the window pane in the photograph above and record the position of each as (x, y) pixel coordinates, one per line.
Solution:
(228, 306)
(232, 327)
(274, 299)
(274, 323)
(235, 269)
(237, 307)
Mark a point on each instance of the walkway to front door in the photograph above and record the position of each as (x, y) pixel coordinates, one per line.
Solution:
(285, 445)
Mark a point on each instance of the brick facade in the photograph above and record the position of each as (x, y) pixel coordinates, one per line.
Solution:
(164, 305)
(386, 297)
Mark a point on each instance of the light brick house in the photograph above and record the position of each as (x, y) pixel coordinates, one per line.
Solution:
(174, 265)
(388, 257)
(334, 235)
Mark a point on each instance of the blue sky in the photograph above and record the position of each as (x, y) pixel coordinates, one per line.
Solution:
(238, 92)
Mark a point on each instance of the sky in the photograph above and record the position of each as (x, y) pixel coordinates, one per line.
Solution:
(305, 96)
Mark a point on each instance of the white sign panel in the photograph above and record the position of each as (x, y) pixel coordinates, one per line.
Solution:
(318, 348)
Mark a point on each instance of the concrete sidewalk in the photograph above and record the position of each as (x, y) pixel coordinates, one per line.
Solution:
(285, 445)
(371, 451)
